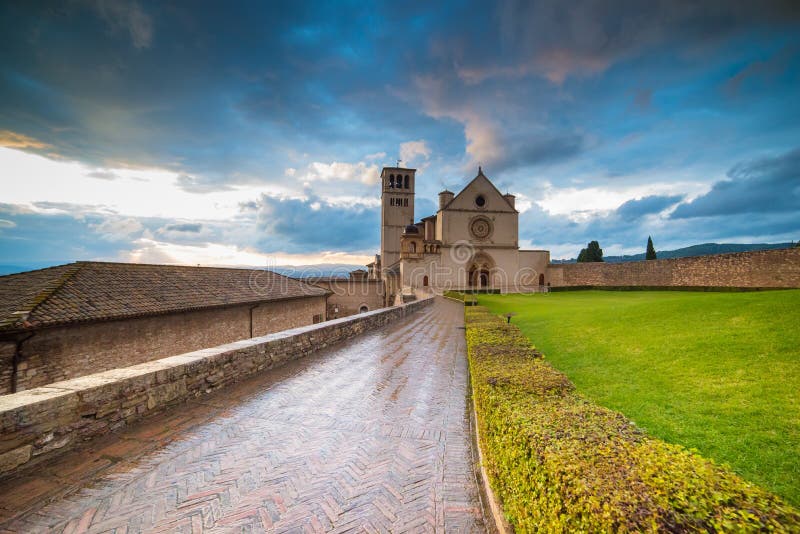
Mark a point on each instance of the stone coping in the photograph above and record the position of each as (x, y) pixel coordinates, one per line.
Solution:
(40, 423)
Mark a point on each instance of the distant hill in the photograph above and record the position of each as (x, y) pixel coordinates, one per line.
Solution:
(316, 271)
(695, 250)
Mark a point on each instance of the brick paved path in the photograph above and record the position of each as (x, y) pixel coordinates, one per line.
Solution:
(367, 436)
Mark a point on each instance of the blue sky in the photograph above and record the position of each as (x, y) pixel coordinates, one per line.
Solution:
(253, 133)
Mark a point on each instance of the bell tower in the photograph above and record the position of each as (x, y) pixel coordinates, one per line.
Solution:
(397, 210)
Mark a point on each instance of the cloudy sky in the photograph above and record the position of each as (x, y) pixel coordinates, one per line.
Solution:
(253, 133)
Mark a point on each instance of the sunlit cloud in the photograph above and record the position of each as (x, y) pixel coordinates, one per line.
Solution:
(152, 251)
(11, 139)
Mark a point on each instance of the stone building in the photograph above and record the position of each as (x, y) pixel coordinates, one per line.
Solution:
(350, 295)
(86, 317)
(471, 242)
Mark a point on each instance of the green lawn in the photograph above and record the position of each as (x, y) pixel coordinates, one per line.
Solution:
(718, 372)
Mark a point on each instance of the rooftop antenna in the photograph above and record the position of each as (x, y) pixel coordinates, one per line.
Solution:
(399, 161)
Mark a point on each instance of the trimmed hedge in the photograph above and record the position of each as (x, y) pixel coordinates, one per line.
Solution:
(559, 463)
(469, 300)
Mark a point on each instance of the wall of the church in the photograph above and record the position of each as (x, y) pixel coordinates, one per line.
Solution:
(455, 227)
(512, 270)
(767, 268)
(61, 353)
(534, 263)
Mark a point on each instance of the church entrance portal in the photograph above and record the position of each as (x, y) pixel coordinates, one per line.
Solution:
(479, 278)
(479, 271)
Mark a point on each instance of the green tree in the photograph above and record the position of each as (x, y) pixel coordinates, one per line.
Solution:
(591, 253)
(651, 251)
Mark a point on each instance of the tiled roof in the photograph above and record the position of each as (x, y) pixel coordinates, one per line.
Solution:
(96, 291)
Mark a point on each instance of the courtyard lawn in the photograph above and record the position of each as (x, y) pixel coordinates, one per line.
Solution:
(717, 372)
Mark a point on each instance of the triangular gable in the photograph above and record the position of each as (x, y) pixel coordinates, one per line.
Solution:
(480, 185)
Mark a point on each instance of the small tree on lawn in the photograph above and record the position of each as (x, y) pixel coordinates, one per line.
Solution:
(651, 251)
(591, 253)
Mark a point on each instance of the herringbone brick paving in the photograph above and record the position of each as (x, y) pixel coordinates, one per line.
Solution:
(368, 436)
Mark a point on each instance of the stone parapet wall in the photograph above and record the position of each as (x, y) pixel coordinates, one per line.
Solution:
(46, 421)
(760, 269)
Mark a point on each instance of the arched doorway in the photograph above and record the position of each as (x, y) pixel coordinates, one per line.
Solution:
(541, 279)
(425, 281)
(480, 270)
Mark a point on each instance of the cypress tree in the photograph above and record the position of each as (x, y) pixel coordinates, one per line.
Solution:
(651, 251)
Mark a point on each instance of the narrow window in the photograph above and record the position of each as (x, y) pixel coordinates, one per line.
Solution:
(405, 202)
(412, 247)
(406, 186)
(391, 181)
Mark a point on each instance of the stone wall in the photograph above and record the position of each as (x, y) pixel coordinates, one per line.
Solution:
(760, 269)
(43, 422)
(61, 353)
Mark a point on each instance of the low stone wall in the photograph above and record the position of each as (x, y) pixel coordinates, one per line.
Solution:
(760, 269)
(40, 423)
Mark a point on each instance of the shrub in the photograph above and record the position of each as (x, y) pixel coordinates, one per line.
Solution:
(469, 300)
(559, 463)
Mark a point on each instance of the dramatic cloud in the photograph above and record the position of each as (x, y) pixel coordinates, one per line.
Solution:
(126, 16)
(184, 227)
(312, 224)
(636, 208)
(600, 115)
(767, 185)
(16, 140)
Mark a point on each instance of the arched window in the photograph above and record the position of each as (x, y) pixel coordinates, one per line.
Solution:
(406, 185)
(363, 309)
(425, 281)
(391, 181)
(412, 247)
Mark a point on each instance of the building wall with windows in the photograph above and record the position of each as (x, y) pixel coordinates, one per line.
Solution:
(61, 353)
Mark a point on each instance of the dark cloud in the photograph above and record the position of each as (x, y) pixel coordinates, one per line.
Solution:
(184, 227)
(767, 185)
(102, 175)
(588, 36)
(536, 151)
(636, 208)
(313, 225)
(763, 70)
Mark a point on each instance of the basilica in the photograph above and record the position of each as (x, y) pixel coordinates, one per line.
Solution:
(471, 242)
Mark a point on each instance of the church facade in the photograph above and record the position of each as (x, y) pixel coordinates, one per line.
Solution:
(470, 243)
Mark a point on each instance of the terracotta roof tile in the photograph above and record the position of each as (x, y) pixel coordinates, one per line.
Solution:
(95, 291)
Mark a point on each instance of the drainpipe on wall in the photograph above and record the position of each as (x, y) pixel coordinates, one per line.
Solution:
(251, 318)
(16, 359)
